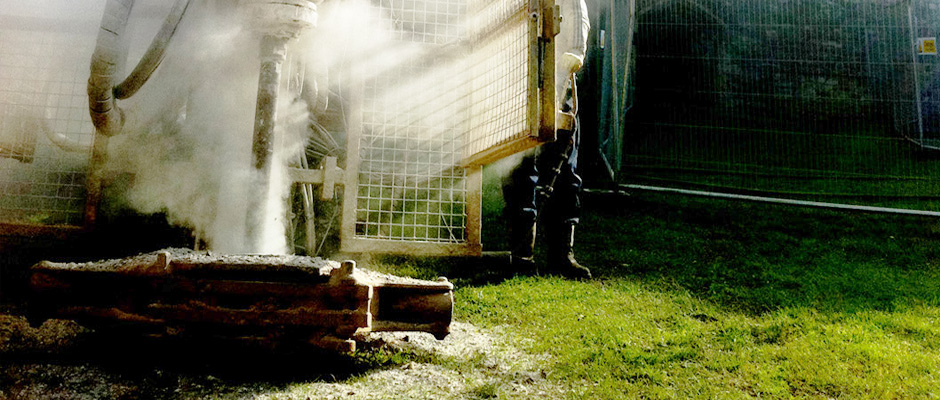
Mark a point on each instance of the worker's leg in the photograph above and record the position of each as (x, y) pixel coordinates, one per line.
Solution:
(521, 213)
(562, 210)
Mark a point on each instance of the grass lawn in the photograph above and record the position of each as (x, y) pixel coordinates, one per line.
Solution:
(714, 299)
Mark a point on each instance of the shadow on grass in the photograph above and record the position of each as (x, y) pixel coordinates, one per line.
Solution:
(461, 271)
(746, 257)
(757, 257)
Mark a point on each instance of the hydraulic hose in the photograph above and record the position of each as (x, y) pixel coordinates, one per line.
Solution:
(105, 62)
(154, 55)
(105, 114)
(109, 54)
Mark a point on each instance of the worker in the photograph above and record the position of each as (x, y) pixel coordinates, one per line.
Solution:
(538, 185)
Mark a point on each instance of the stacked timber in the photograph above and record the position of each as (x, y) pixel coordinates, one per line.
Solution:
(264, 298)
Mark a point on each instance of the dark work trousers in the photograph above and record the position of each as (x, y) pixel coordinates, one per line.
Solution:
(563, 206)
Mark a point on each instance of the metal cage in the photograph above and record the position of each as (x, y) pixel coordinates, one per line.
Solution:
(413, 174)
(414, 163)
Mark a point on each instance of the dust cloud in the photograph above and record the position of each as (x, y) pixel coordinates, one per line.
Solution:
(189, 136)
(186, 143)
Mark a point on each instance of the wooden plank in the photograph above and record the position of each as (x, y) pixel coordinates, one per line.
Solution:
(362, 245)
(347, 232)
(115, 293)
(408, 306)
(307, 317)
(332, 175)
(334, 344)
(112, 290)
(109, 314)
(549, 24)
(280, 290)
(474, 210)
(498, 152)
(34, 230)
(533, 110)
(439, 330)
(95, 178)
(302, 175)
(248, 272)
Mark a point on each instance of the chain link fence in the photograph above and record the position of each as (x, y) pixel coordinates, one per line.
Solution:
(808, 99)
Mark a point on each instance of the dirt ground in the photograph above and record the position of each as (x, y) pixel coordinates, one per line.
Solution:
(62, 360)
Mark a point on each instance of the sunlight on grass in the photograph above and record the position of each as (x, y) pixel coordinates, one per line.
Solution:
(623, 339)
(706, 299)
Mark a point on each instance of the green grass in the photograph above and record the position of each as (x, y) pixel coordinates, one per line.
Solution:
(869, 163)
(713, 299)
(623, 339)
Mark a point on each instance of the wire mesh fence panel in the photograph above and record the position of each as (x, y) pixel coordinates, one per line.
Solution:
(500, 71)
(409, 187)
(464, 90)
(925, 20)
(797, 98)
(45, 131)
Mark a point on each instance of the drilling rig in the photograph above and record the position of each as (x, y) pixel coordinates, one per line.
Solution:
(475, 86)
(264, 298)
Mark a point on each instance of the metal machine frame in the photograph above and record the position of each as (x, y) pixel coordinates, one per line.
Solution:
(479, 143)
(477, 147)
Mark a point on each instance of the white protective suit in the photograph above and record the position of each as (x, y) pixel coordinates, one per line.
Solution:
(570, 45)
(553, 165)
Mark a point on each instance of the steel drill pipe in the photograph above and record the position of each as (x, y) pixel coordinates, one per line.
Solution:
(273, 54)
(276, 22)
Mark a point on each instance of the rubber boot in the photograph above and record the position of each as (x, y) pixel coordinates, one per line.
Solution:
(522, 246)
(561, 260)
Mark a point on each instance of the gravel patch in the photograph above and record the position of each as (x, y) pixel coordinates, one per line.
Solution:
(470, 363)
(62, 360)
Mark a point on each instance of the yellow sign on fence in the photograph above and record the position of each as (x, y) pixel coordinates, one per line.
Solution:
(927, 45)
